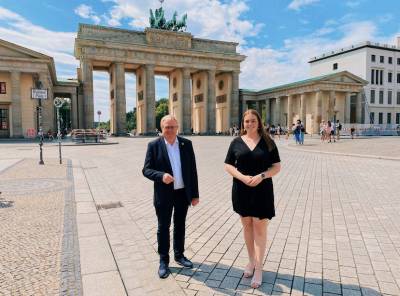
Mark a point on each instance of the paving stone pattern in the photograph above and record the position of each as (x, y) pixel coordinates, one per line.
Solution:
(33, 258)
(337, 229)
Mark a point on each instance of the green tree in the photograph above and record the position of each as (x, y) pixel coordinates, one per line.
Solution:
(131, 120)
(161, 110)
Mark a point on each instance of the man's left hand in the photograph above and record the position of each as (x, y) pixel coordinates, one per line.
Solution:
(195, 201)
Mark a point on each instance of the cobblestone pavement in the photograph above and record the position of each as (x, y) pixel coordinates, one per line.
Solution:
(383, 147)
(33, 259)
(337, 229)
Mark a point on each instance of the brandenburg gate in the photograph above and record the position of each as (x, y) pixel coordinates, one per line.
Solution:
(203, 77)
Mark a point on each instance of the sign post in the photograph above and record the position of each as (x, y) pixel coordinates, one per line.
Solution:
(40, 94)
(98, 127)
(58, 102)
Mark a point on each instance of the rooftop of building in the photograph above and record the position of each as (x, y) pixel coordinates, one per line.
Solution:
(354, 47)
(304, 82)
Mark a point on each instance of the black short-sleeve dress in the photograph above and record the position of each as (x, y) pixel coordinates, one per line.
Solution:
(252, 201)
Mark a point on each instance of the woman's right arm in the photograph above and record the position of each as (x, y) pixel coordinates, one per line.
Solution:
(231, 170)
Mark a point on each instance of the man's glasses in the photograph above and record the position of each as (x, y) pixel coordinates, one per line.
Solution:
(170, 127)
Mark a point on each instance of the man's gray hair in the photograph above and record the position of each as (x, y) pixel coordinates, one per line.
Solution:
(167, 117)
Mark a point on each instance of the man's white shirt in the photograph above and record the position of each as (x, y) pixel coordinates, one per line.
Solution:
(175, 160)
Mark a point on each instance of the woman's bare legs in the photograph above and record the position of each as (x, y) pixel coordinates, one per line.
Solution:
(247, 223)
(260, 244)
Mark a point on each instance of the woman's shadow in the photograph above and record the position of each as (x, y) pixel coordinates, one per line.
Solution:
(228, 280)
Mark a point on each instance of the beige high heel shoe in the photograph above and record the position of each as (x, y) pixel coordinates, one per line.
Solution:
(256, 282)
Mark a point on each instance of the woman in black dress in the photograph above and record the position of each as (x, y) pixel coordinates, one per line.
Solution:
(253, 160)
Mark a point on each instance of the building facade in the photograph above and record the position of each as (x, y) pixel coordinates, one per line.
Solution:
(379, 64)
(22, 70)
(330, 97)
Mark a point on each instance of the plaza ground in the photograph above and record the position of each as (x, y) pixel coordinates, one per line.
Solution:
(337, 229)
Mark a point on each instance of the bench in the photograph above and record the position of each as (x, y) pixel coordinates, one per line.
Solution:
(88, 135)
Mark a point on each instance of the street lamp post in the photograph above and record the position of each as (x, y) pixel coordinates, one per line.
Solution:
(58, 102)
(39, 109)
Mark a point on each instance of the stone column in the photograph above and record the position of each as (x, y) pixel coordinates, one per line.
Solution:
(16, 115)
(331, 105)
(347, 108)
(318, 110)
(150, 99)
(88, 105)
(211, 103)
(120, 99)
(74, 110)
(244, 107)
(278, 111)
(259, 107)
(303, 108)
(267, 111)
(290, 110)
(186, 102)
(358, 108)
(234, 106)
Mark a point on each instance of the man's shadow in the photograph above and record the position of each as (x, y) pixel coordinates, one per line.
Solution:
(5, 203)
(229, 280)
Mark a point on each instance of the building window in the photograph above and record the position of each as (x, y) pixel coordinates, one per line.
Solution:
(398, 98)
(380, 118)
(3, 89)
(398, 61)
(390, 60)
(398, 77)
(381, 77)
(377, 76)
(372, 96)
(372, 76)
(372, 117)
(389, 97)
(382, 59)
(373, 58)
(335, 66)
(3, 119)
(397, 118)
(381, 97)
(390, 77)
(389, 118)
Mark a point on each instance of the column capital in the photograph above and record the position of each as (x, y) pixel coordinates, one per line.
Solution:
(186, 72)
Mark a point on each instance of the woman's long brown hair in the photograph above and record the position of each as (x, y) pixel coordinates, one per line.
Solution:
(261, 131)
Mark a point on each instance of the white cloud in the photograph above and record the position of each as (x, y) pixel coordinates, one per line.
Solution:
(87, 12)
(268, 67)
(208, 19)
(297, 4)
(60, 45)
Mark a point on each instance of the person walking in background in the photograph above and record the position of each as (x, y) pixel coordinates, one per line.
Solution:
(297, 132)
(328, 130)
(278, 131)
(302, 131)
(252, 160)
(333, 131)
(170, 162)
(322, 130)
(338, 129)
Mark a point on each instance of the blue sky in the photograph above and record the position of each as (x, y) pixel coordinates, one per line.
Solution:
(277, 36)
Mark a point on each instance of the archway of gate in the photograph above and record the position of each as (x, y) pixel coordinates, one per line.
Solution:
(208, 106)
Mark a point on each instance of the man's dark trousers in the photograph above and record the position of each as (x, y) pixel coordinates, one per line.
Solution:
(179, 206)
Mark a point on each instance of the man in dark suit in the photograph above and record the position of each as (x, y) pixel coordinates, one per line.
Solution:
(171, 164)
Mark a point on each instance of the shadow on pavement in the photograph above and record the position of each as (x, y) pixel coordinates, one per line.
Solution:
(229, 280)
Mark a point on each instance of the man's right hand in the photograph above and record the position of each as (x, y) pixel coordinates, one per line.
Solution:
(167, 178)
